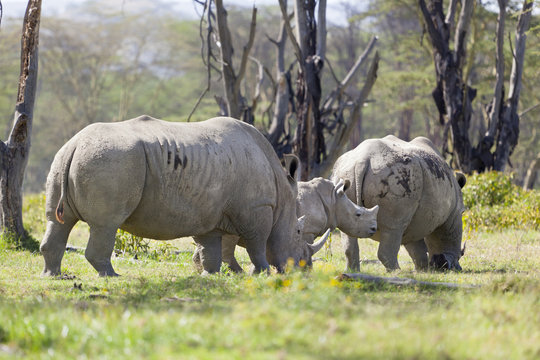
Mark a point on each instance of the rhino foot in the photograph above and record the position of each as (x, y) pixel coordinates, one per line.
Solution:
(444, 262)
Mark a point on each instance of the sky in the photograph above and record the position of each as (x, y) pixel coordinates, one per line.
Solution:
(187, 8)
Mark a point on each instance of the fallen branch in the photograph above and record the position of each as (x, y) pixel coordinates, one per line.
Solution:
(402, 281)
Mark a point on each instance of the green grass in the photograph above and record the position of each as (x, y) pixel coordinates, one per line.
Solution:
(162, 309)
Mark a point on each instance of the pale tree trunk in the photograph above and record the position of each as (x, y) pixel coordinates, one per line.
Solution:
(532, 173)
(283, 93)
(509, 119)
(14, 152)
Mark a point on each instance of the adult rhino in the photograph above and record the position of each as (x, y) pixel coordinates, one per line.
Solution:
(323, 205)
(165, 180)
(419, 198)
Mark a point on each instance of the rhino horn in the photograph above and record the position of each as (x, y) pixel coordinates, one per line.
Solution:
(319, 244)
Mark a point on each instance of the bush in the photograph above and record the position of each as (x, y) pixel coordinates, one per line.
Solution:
(127, 243)
(493, 202)
(489, 189)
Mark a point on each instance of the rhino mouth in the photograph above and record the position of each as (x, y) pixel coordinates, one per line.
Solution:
(444, 262)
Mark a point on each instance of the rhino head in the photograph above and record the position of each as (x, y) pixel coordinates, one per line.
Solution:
(444, 245)
(353, 220)
(286, 241)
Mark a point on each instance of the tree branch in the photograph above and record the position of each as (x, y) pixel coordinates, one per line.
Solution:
(499, 65)
(435, 35)
(247, 50)
(517, 63)
(321, 30)
(260, 77)
(342, 86)
(290, 34)
(460, 39)
(341, 138)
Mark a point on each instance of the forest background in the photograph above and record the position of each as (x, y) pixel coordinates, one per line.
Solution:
(110, 63)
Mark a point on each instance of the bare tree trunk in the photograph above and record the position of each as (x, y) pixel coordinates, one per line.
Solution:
(309, 141)
(283, 93)
(509, 119)
(14, 152)
(532, 173)
(236, 103)
(452, 95)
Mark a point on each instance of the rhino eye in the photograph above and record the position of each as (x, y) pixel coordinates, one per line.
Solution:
(358, 215)
(298, 232)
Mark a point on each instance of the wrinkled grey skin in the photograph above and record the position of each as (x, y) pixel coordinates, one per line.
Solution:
(419, 198)
(324, 206)
(165, 180)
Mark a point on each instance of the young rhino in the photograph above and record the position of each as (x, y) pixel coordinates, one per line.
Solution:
(322, 205)
(419, 197)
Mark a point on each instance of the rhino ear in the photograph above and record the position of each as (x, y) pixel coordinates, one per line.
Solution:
(461, 179)
(342, 186)
(292, 166)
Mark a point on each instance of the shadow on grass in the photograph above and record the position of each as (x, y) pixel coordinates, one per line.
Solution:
(12, 241)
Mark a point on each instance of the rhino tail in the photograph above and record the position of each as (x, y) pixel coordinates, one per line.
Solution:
(63, 185)
(360, 171)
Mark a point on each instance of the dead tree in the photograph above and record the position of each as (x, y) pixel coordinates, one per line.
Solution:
(532, 174)
(453, 96)
(322, 127)
(14, 152)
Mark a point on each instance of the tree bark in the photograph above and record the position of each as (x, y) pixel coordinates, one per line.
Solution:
(14, 152)
(283, 95)
(509, 121)
(452, 95)
(532, 174)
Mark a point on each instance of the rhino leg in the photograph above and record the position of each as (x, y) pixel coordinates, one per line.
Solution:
(228, 245)
(418, 252)
(100, 247)
(352, 251)
(53, 245)
(210, 252)
(256, 228)
(389, 243)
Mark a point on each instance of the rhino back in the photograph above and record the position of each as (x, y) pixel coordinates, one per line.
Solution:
(201, 177)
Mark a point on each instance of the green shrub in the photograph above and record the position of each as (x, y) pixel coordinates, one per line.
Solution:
(489, 189)
(493, 202)
(127, 243)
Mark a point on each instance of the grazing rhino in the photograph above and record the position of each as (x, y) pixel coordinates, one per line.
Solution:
(323, 205)
(165, 180)
(419, 198)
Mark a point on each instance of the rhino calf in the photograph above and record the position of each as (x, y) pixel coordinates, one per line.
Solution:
(419, 198)
(165, 180)
(323, 205)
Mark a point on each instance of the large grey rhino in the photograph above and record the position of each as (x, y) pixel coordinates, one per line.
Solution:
(323, 205)
(165, 180)
(419, 198)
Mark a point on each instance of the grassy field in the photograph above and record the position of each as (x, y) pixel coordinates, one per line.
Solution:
(160, 308)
